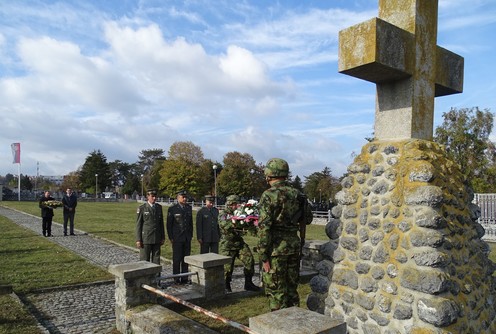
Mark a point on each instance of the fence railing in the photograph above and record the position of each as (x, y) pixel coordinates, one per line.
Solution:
(487, 204)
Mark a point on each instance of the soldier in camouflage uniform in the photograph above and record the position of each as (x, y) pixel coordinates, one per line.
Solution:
(283, 210)
(233, 245)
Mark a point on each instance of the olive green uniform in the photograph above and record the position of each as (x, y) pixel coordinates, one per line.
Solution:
(150, 231)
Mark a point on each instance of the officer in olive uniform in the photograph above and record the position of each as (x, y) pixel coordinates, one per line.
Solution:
(283, 212)
(150, 231)
(180, 232)
(233, 245)
(207, 227)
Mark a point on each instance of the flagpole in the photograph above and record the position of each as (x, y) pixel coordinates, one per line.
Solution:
(19, 182)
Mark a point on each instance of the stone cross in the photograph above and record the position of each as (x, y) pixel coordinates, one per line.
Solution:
(398, 52)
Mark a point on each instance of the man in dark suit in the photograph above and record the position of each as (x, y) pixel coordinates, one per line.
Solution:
(180, 232)
(150, 231)
(46, 214)
(70, 202)
(207, 227)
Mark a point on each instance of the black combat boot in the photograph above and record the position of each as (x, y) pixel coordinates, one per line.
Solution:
(249, 286)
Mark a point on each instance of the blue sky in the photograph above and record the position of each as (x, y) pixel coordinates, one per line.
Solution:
(257, 77)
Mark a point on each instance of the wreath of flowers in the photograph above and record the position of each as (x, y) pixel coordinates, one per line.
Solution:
(53, 204)
(246, 214)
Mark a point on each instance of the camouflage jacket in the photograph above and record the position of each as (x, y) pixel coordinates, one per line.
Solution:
(281, 211)
(231, 238)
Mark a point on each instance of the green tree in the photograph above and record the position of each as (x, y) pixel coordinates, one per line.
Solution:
(207, 179)
(240, 175)
(186, 151)
(296, 182)
(149, 165)
(184, 168)
(132, 184)
(95, 164)
(26, 183)
(465, 134)
(321, 186)
(71, 180)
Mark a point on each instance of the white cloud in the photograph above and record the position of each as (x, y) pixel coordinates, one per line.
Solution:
(247, 76)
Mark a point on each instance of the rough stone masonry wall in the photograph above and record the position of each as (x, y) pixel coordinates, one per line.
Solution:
(406, 247)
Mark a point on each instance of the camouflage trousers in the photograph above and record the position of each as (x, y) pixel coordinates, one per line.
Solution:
(245, 256)
(281, 282)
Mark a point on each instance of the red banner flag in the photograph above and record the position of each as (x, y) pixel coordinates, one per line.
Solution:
(16, 153)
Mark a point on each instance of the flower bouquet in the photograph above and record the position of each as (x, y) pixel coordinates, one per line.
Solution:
(53, 204)
(246, 215)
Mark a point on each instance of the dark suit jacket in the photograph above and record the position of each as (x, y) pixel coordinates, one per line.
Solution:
(180, 223)
(207, 225)
(150, 224)
(69, 202)
(46, 211)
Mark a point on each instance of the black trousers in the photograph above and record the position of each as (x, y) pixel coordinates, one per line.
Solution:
(46, 225)
(179, 251)
(69, 217)
(209, 247)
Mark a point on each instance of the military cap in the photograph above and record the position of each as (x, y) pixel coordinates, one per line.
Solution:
(231, 199)
(182, 192)
(209, 198)
(152, 192)
(276, 167)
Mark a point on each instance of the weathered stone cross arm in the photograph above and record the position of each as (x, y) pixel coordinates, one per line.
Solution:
(380, 52)
(398, 52)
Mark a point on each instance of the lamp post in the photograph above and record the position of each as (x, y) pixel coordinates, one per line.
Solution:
(96, 186)
(141, 186)
(215, 183)
(320, 195)
(252, 171)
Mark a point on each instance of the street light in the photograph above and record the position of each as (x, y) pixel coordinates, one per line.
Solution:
(96, 186)
(252, 171)
(320, 195)
(215, 183)
(141, 186)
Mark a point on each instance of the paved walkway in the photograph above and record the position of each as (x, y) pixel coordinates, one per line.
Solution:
(87, 308)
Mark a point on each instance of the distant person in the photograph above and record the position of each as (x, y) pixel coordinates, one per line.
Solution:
(233, 245)
(70, 202)
(283, 213)
(180, 233)
(46, 214)
(150, 231)
(207, 227)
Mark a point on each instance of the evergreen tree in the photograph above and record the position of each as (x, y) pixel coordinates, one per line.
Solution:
(95, 164)
(465, 134)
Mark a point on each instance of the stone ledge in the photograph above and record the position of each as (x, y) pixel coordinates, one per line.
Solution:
(295, 320)
(207, 260)
(135, 269)
(158, 319)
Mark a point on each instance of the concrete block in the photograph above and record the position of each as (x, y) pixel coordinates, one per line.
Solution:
(157, 319)
(207, 260)
(295, 320)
